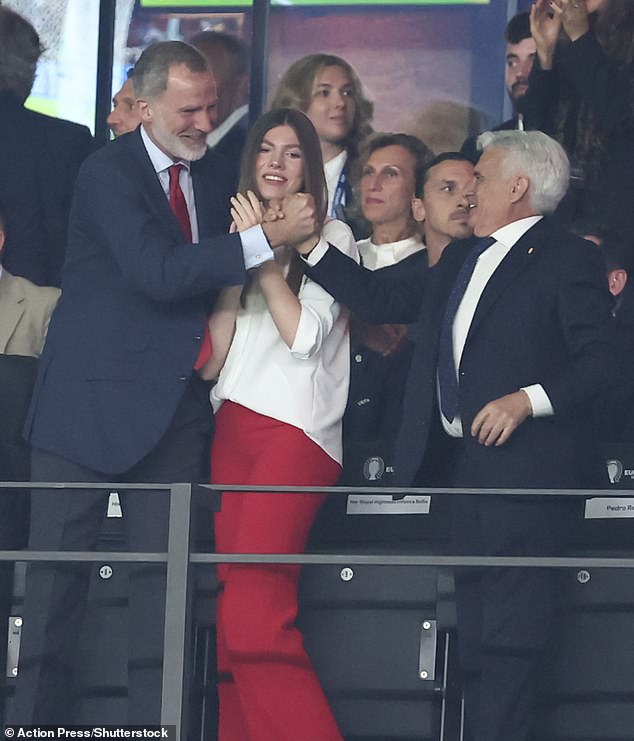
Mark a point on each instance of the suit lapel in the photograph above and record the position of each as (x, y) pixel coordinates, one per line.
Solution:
(151, 186)
(204, 202)
(11, 308)
(519, 257)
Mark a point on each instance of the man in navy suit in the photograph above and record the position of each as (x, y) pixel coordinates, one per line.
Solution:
(39, 160)
(509, 356)
(117, 397)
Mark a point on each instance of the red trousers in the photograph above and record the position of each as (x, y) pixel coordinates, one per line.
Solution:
(270, 691)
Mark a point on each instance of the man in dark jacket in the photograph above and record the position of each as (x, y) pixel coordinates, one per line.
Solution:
(39, 160)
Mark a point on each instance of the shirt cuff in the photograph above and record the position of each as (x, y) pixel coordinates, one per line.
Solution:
(318, 251)
(539, 400)
(255, 247)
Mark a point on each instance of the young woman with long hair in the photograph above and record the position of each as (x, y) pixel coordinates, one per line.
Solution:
(280, 397)
(328, 90)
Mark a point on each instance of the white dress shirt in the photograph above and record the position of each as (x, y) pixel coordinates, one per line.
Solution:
(487, 264)
(255, 247)
(306, 385)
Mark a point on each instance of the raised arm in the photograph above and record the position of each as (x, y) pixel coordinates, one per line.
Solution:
(605, 85)
(392, 294)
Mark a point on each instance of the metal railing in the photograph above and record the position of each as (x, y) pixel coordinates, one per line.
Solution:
(179, 557)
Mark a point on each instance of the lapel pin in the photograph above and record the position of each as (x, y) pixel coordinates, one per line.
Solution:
(530, 250)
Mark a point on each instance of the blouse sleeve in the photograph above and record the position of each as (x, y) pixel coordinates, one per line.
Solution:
(320, 311)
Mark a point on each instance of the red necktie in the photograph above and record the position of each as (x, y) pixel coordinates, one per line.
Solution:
(179, 208)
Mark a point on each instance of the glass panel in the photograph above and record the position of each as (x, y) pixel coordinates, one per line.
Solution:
(145, 23)
(416, 63)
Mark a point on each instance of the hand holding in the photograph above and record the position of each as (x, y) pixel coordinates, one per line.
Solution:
(545, 27)
(298, 225)
(246, 211)
(274, 211)
(497, 421)
(573, 15)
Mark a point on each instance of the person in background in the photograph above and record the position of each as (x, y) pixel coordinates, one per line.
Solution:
(404, 190)
(124, 116)
(281, 345)
(328, 90)
(615, 423)
(519, 56)
(39, 160)
(390, 177)
(25, 308)
(229, 60)
(581, 91)
(25, 312)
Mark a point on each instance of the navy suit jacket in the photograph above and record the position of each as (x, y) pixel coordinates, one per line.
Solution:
(124, 338)
(39, 160)
(544, 317)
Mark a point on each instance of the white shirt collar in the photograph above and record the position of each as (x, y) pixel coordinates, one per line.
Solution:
(375, 256)
(216, 135)
(160, 160)
(509, 234)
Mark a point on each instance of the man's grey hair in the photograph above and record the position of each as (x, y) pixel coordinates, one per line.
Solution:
(152, 69)
(20, 49)
(536, 156)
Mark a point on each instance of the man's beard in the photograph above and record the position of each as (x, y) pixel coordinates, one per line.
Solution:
(176, 146)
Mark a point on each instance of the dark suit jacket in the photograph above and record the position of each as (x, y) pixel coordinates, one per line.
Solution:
(39, 160)
(126, 333)
(232, 143)
(544, 317)
(17, 376)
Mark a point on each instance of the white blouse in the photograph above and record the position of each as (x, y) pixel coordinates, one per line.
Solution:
(375, 256)
(306, 385)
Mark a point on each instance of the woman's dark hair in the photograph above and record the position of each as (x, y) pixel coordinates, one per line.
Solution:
(614, 28)
(314, 181)
(577, 127)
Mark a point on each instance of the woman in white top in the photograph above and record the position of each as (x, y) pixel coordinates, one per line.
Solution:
(279, 402)
(328, 90)
(390, 178)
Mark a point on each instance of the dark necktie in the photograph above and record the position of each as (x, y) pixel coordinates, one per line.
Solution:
(179, 208)
(447, 377)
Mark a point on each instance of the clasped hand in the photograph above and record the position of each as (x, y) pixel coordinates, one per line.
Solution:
(290, 221)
